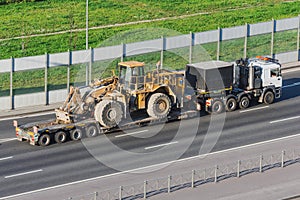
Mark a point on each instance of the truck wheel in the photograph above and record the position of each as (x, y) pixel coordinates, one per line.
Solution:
(91, 131)
(60, 137)
(269, 97)
(244, 102)
(231, 104)
(108, 113)
(159, 106)
(217, 107)
(44, 140)
(76, 134)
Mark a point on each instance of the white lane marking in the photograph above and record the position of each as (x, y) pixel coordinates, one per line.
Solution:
(150, 166)
(24, 173)
(161, 145)
(24, 116)
(286, 119)
(7, 140)
(133, 133)
(253, 109)
(291, 85)
(6, 158)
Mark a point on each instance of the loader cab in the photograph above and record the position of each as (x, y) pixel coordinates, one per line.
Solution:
(131, 75)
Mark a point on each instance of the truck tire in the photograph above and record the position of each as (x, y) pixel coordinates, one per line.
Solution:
(60, 137)
(108, 113)
(231, 104)
(159, 106)
(269, 97)
(217, 107)
(91, 131)
(244, 102)
(76, 134)
(44, 140)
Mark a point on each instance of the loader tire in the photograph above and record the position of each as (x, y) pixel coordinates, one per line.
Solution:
(159, 106)
(44, 140)
(108, 113)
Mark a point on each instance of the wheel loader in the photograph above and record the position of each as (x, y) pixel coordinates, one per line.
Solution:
(113, 99)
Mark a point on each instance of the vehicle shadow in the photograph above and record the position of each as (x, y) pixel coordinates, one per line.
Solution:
(290, 89)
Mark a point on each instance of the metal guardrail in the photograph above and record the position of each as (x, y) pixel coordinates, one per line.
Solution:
(188, 41)
(196, 177)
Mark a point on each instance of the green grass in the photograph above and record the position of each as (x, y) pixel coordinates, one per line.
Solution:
(53, 15)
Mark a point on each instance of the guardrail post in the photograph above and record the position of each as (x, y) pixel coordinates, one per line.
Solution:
(95, 195)
(219, 43)
(216, 173)
(91, 64)
(169, 183)
(120, 192)
(282, 158)
(193, 178)
(272, 37)
(123, 46)
(192, 38)
(145, 189)
(260, 163)
(68, 70)
(298, 39)
(163, 47)
(11, 91)
(246, 40)
(238, 169)
(46, 79)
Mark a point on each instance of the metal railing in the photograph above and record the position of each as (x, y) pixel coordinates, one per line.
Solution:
(196, 177)
(188, 42)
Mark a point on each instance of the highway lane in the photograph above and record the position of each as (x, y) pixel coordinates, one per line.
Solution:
(59, 164)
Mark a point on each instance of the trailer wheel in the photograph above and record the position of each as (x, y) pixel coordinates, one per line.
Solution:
(159, 106)
(244, 102)
(108, 113)
(91, 131)
(231, 104)
(60, 137)
(217, 107)
(44, 140)
(76, 134)
(269, 97)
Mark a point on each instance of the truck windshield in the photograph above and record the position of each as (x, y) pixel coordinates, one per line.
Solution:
(275, 72)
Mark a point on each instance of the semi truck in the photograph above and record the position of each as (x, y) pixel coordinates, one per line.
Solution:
(136, 97)
(221, 86)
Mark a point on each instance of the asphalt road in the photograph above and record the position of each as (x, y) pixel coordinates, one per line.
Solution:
(25, 168)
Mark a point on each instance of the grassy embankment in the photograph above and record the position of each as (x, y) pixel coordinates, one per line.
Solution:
(51, 16)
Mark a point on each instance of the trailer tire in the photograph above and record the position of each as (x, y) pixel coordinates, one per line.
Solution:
(91, 131)
(217, 107)
(231, 104)
(244, 102)
(108, 113)
(159, 106)
(44, 140)
(76, 134)
(269, 97)
(60, 137)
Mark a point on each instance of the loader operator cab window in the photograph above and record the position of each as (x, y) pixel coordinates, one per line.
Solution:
(131, 76)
